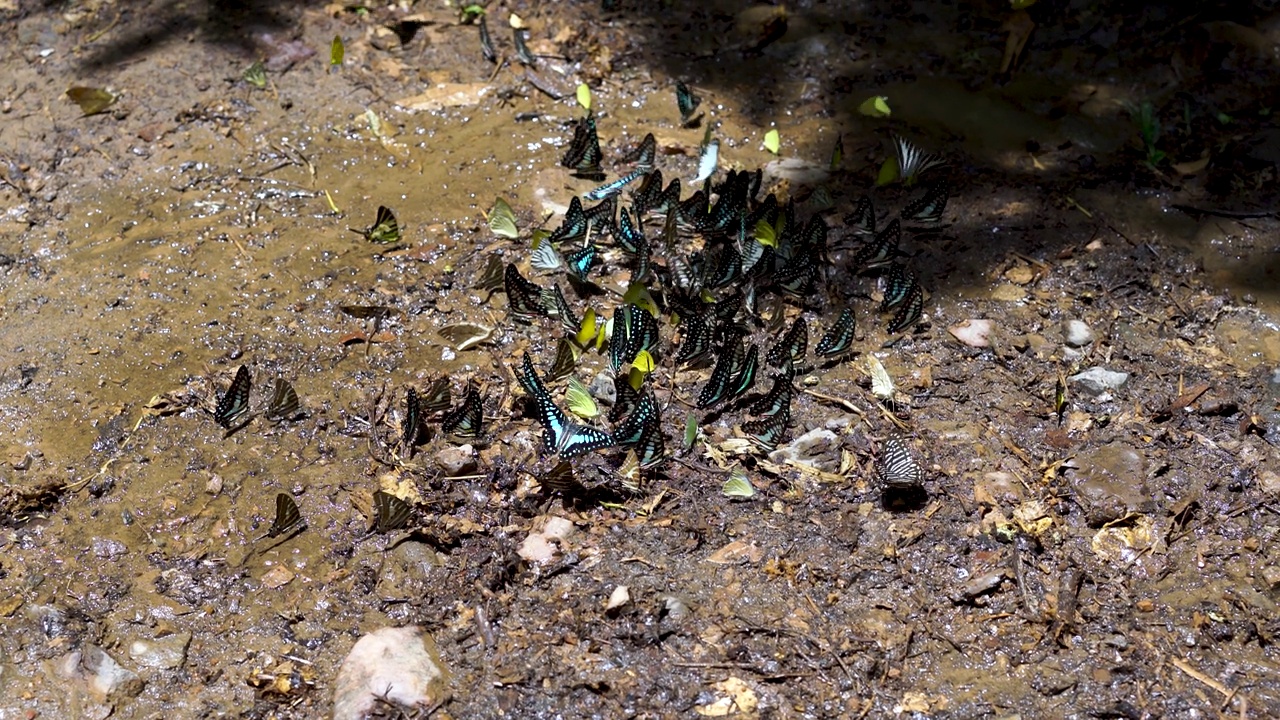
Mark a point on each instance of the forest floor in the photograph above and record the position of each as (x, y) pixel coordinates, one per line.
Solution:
(1092, 393)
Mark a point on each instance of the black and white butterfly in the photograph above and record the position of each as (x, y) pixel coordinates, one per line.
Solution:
(524, 297)
(583, 156)
(912, 161)
(790, 350)
(863, 218)
(466, 420)
(284, 403)
(390, 513)
(437, 397)
(288, 518)
(897, 468)
(232, 410)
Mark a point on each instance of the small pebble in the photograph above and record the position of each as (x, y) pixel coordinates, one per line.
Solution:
(457, 460)
(974, 333)
(1077, 334)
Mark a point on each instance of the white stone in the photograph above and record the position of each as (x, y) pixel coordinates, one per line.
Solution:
(399, 665)
(1076, 333)
(974, 333)
(1097, 381)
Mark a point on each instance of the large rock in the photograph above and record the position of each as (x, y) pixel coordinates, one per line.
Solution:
(397, 665)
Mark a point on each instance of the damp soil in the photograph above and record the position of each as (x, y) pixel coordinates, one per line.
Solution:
(1110, 553)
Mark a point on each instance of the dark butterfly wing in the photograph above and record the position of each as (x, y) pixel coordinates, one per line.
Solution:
(796, 277)
(777, 400)
(436, 398)
(669, 200)
(568, 320)
(693, 213)
(284, 401)
(629, 237)
(524, 297)
(466, 420)
(579, 262)
(522, 50)
(910, 312)
(490, 278)
(575, 227)
(385, 228)
(651, 446)
(882, 249)
(644, 330)
(791, 349)
(695, 339)
(839, 337)
(390, 513)
(553, 420)
(897, 468)
(928, 208)
(583, 156)
(613, 188)
(643, 258)
(560, 478)
(863, 217)
(634, 329)
(287, 516)
(645, 155)
(646, 197)
(899, 284)
(767, 432)
(746, 377)
(686, 102)
(486, 42)
(411, 424)
(625, 401)
(368, 312)
(646, 412)
(717, 387)
(576, 440)
(601, 216)
(233, 407)
(726, 269)
(564, 361)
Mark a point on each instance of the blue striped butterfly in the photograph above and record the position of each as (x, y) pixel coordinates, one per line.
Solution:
(687, 103)
(909, 313)
(882, 249)
(695, 338)
(767, 432)
(634, 329)
(579, 262)
(613, 188)
(839, 337)
(524, 297)
(436, 398)
(629, 237)
(724, 268)
(797, 276)
(466, 420)
(650, 446)
(567, 438)
(646, 412)
(601, 217)
(746, 375)
(777, 400)
(897, 468)
(717, 387)
(625, 400)
(928, 208)
(692, 212)
(643, 258)
(411, 423)
(583, 156)
(790, 350)
(575, 227)
(647, 195)
(522, 50)
(900, 282)
(486, 42)
(232, 410)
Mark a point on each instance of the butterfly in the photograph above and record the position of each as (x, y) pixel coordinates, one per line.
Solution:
(910, 311)
(568, 320)
(583, 156)
(790, 350)
(897, 469)
(766, 432)
(579, 261)
(560, 478)
(564, 361)
(629, 237)
(625, 400)
(708, 159)
(746, 376)
(288, 519)
(913, 161)
(613, 188)
(882, 249)
(567, 438)
(411, 423)
(601, 216)
(384, 229)
(486, 42)
(727, 268)
(502, 220)
(722, 375)
(692, 211)
(545, 257)
(634, 329)
(466, 420)
(928, 208)
(777, 400)
(650, 446)
(899, 284)
(390, 513)
(643, 258)
(647, 195)
(796, 277)
(490, 278)
(575, 227)
(522, 50)
(687, 103)
(436, 397)
(579, 399)
(645, 155)
(284, 403)
(233, 407)
(838, 337)
(523, 296)
(695, 338)
(863, 217)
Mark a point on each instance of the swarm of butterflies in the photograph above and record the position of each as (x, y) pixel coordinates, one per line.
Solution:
(714, 264)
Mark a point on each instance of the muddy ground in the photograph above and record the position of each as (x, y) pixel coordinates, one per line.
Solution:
(1107, 554)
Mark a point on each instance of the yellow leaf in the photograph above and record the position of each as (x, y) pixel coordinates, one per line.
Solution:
(888, 172)
(584, 96)
(635, 378)
(644, 362)
(876, 106)
(772, 141)
(588, 330)
(91, 100)
(639, 296)
(337, 51)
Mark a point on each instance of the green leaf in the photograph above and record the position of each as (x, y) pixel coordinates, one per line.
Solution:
(337, 51)
(584, 96)
(772, 141)
(471, 12)
(256, 75)
(579, 400)
(502, 220)
(738, 486)
(876, 106)
(690, 431)
(888, 172)
(765, 235)
(837, 154)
